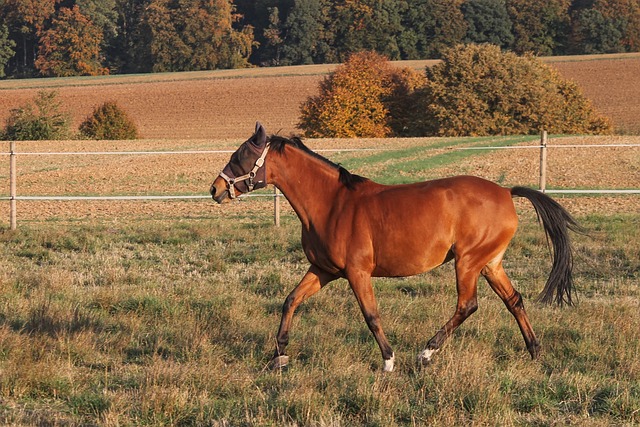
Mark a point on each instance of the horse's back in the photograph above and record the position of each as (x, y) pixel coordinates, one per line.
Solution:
(448, 195)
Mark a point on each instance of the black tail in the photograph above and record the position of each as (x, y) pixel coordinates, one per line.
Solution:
(556, 222)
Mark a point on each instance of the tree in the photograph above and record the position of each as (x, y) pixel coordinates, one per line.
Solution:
(167, 49)
(129, 51)
(273, 35)
(540, 27)
(356, 99)
(187, 35)
(6, 48)
(104, 15)
(430, 26)
(593, 33)
(71, 46)
(367, 25)
(606, 26)
(306, 39)
(208, 27)
(109, 121)
(44, 122)
(478, 90)
(487, 22)
(25, 20)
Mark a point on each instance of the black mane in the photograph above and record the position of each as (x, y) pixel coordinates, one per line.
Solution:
(346, 178)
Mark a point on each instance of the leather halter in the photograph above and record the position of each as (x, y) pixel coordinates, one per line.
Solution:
(247, 178)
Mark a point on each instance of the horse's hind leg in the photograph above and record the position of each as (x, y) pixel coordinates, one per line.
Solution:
(500, 283)
(467, 285)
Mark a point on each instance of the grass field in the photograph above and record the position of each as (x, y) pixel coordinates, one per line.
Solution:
(173, 323)
(165, 313)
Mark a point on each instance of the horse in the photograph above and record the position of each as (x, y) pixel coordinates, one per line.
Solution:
(356, 229)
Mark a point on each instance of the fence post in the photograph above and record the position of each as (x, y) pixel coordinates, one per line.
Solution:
(12, 185)
(543, 161)
(276, 206)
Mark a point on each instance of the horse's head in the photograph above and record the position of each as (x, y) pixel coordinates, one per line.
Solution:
(245, 171)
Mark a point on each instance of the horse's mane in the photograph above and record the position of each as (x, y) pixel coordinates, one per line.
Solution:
(346, 178)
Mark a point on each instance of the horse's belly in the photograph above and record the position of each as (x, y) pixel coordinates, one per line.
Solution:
(396, 262)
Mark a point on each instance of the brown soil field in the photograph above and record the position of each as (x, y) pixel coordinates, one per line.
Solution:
(223, 103)
(612, 85)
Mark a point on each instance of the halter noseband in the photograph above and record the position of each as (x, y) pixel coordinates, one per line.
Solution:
(231, 180)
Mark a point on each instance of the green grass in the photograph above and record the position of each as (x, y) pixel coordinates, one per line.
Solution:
(423, 158)
(173, 323)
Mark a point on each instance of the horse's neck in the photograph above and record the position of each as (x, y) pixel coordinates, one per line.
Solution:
(309, 184)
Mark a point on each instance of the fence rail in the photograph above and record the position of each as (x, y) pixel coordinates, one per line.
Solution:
(13, 196)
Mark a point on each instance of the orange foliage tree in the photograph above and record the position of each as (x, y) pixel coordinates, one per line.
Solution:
(479, 90)
(71, 46)
(355, 100)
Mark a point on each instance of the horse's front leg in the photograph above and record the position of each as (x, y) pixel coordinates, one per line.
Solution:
(361, 285)
(311, 283)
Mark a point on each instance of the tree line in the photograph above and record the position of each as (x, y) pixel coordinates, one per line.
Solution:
(93, 37)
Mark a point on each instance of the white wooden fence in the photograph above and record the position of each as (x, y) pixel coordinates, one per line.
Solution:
(14, 197)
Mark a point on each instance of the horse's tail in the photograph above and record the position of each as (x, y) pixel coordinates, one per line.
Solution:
(556, 222)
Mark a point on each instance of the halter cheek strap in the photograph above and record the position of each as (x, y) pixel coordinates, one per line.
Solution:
(248, 176)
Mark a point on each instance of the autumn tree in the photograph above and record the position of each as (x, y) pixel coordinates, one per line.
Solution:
(109, 121)
(187, 35)
(25, 19)
(71, 46)
(479, 90)
(356, 99)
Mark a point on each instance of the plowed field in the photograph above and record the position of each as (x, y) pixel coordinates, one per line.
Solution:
(222, 104)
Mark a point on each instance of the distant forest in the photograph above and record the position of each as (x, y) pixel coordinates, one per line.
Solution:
(94, 37)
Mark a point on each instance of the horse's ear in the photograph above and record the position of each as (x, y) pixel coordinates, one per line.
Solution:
(259, 138)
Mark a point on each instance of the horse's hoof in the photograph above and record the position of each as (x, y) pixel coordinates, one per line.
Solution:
(424, 358)
(279, 362)
(389, 364)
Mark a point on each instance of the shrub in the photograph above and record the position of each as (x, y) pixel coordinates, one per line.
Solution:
(109, 121)
(42, 121)
(479, 90)
(357, 98)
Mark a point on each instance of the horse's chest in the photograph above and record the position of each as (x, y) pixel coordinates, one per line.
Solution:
(321, 252)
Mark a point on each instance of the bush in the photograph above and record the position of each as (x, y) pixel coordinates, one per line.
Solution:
(479, 90)
(357, 98)
(44, 121)
(109, 121)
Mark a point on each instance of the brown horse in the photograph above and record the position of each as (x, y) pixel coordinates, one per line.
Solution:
(357, 229)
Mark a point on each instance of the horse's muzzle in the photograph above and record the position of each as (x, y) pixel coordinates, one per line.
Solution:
(219, 191)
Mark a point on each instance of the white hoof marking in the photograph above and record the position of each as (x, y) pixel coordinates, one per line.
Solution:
(279, 362)
(425, 356)
(388, 364)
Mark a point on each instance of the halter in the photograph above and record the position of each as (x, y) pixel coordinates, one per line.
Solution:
(231, 180)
